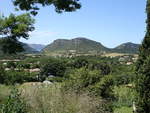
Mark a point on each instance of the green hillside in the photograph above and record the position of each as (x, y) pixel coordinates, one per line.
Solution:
(78, 45)
(86, 46)
(127, 48)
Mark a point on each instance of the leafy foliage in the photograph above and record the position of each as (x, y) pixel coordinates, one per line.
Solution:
(13, 28)
(60, 5)
(14, 104)
(80, 79)
(53, 67)
(13, 77)
(103, 88)
(143, 70)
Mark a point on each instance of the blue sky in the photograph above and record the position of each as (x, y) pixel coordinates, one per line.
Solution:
(110, 22)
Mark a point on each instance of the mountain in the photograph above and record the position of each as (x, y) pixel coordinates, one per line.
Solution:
(78, 45)
(127, 48)
(85, 46)
(28, 49)
(37, 47)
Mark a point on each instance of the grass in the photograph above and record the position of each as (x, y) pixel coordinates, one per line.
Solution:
(51, 99)
(125, 97)
(123, 110)
(4, 92)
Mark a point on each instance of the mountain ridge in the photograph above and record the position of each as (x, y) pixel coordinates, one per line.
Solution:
(84, 45)
(37, 47)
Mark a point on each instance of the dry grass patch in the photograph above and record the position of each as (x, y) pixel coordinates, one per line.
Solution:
(51, 99)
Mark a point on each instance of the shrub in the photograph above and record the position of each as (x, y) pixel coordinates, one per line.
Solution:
(104, 88)
(12, 77)
(124, 96)
(81, 79)
(14, 104)
(124, 78)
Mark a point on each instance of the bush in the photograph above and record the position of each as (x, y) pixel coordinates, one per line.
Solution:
(104, 88)
(124, 78)
(12, 77)
(14, 104)
(81, 79)
(124, 95)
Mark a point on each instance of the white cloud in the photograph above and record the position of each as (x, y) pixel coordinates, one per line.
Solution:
(42, 34)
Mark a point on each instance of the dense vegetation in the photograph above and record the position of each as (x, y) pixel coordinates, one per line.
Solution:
(87, 78)
(12, 28)
(143, 70)
(102, 78)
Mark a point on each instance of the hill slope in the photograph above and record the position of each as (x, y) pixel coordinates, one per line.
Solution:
(86, 46)
(79, 45)
(28, 49)
(127, 48)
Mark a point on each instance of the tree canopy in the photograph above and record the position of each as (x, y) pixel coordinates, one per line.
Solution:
(60, 5)
(12, 28)
(143, 70)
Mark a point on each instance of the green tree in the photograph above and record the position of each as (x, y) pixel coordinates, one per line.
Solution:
(143, 70)
(13, 28)
(60, 5)
(53, 67)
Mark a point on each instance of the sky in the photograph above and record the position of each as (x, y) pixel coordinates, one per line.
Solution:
(110, 22)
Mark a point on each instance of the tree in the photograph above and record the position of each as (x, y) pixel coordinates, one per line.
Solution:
(143, 70)
(53, 67)
(13, 28)
(60, 5)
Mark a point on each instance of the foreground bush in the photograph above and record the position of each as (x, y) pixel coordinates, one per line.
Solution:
(14, 104)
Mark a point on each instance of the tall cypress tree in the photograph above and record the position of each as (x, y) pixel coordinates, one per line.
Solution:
(143, 70)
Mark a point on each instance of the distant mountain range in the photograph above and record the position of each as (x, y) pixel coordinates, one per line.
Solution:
(32, 48)
(37, 47)
(29, 49)
(79, 46)
(86, 46)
